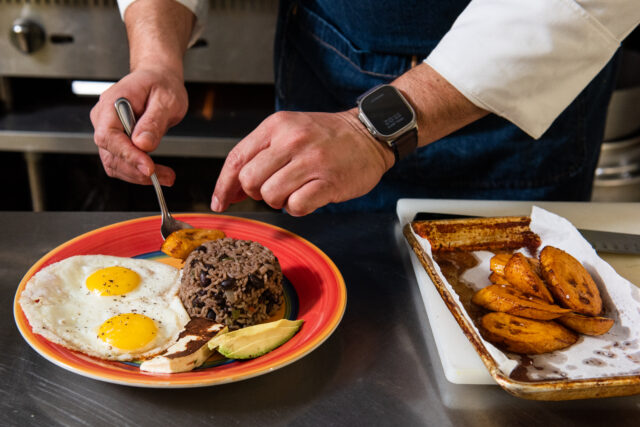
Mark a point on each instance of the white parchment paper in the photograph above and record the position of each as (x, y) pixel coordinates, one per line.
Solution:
(616, 353)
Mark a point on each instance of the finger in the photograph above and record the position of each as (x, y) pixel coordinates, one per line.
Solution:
(166, 176)
(311, 196)
(162, 111)
(110, 139)
(261, 168)
(216, 206)
(95, 114)
(277, 188)
(115, 168)
(228, 188)
(127, 162)
(116, 142)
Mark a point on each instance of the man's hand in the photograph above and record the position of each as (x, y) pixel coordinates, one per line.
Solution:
(159, 100)
(302, 161)
(158, 32)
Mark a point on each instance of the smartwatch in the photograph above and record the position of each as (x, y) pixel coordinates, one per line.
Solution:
(390, 119)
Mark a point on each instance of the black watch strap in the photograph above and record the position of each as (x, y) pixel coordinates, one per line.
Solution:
(405, 145)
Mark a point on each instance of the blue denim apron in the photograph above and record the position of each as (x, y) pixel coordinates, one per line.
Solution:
(328, 52)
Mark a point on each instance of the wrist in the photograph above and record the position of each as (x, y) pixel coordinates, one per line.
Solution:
(385, 153)
(162, 58)
(163, 66)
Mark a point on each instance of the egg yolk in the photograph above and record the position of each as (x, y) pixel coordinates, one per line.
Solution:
(113, 281)
(129, 331)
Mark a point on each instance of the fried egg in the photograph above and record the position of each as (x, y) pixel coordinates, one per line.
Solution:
(105, 306)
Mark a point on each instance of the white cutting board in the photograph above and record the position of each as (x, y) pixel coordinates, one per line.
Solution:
(460, 362)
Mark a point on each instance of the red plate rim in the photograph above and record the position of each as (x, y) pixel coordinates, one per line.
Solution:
(318, 282)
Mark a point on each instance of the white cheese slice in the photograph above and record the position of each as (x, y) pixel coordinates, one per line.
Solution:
(189, 352)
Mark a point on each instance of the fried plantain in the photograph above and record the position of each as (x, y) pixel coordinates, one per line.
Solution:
(511, 300)
(520, 273)
(180, 243)
(570, 283)
(497, 263)
(586, 324)
(497, 279)
(535, 264)
(525, 336)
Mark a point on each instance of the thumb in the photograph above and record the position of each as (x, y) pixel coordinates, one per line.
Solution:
(151, 126)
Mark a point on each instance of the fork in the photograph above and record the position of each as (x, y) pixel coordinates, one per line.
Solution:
(128, 120)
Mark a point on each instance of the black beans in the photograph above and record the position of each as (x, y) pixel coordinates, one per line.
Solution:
(197, 303)
(204, 280)
(255, 282)
(211, 315)
(266, 297)
(202, 249)
(228, 283)
(219, 297)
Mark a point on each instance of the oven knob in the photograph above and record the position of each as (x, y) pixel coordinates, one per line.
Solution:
(27, 35)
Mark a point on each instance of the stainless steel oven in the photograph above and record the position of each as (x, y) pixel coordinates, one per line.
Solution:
(47, 45)
(617, 176)
(45, 131)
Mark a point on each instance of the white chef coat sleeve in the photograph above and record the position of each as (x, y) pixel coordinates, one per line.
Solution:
(200, 9)
(528, 60)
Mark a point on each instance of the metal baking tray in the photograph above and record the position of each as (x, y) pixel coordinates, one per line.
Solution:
(467, 237)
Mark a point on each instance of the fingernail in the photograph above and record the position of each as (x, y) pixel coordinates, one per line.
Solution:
(144, 169)
(147, 135)
(215, 204)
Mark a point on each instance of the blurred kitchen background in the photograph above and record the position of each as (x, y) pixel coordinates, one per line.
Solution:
(51, 49)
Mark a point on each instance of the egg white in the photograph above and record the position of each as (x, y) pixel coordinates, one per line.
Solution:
(59, 306)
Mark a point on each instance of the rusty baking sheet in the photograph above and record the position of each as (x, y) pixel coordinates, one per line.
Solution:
(450, 250)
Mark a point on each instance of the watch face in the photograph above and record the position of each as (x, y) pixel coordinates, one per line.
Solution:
(386, 110)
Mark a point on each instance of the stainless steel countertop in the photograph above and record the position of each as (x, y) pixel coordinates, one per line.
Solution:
(379, 367)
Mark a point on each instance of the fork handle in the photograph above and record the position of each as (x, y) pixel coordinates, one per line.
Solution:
(163, 205)
(125, 114)
(128, 120)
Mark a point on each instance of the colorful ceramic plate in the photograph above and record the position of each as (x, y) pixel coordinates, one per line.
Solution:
(316, 285)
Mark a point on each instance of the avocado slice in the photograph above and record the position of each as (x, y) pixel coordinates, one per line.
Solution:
(254, 341)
